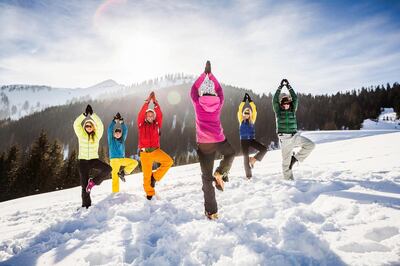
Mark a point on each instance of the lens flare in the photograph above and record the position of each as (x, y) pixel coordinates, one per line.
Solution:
(174, 97)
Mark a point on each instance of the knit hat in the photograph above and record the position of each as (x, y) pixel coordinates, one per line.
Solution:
(88, 119)
(117, 126)
(284, 98)
(207, 87)
(151, 110)
(247, 110)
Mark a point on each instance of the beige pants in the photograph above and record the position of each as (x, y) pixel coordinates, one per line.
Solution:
(288, 143)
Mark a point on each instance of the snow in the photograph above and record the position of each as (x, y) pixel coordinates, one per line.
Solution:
(386, 120)
(343, 208)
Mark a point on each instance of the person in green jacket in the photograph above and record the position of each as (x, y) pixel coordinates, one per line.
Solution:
(285, 107)
(89, 130)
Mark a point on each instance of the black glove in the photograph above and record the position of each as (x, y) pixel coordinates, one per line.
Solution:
(244, 98)
(88, 111)
(117, 116)
(249, 98)
(284, 82)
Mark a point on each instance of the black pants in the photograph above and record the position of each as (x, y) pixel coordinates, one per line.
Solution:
(102, 171)
(207, 154)
(246, 144)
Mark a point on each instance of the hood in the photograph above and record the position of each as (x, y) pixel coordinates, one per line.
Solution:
(209, 103)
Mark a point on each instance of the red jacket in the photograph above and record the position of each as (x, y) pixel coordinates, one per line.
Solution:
(149, 134)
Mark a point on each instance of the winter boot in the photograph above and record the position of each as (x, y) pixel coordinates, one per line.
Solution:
(90, 185)
(292, 162)
(213, 216)
(121, 173)
(252, 161)
(219, 182)
(225, 177)
(152, 181)
(149, 197)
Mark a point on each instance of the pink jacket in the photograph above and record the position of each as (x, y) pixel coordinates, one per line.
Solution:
(208, 111)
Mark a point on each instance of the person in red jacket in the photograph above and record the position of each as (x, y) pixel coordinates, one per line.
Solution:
(149, 124)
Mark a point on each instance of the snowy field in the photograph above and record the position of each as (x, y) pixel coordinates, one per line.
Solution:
(343, 209)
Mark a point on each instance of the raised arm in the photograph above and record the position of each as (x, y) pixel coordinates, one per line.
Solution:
(295, 100)
(218, 90)
(275, 99)
(240, 112)
(194, 93)
(79, 130)
(253, 111)
(99, 125)
(142, 114)
(110, 132)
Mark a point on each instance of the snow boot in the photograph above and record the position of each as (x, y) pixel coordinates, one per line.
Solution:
(252, 161)
(149, 197)
(90, 185)
(211, 216)
(121, 173)
(219, 182)
(225, 177)
(292, 162)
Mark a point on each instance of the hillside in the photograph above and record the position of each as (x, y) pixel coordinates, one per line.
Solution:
(342, 209)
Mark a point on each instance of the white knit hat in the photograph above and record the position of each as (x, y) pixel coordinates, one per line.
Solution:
(207, 87)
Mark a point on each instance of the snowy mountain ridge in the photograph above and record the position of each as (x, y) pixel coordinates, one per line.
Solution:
(342, 209)
(17, 101)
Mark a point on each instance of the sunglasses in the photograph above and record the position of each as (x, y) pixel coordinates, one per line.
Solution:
(118, 131)
(88, 126)
(246, 113)
(285, 103)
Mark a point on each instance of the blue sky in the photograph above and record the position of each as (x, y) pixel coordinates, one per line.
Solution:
(320, 46)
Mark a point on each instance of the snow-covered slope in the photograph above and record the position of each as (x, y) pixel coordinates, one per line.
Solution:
(343, 208)
(386, 120)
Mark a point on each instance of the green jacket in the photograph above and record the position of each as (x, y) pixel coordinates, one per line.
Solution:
(88, 148)
(286, 121)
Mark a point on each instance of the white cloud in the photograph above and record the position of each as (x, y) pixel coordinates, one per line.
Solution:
(250, 45)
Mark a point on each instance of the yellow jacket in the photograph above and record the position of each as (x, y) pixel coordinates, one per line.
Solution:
(88, 148)
(253, 112)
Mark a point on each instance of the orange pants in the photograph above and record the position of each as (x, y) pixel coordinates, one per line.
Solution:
(147, 159)
(116, 163)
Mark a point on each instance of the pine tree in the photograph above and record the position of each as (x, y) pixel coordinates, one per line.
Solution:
(55, 166)
(38, 164)
(12, 171)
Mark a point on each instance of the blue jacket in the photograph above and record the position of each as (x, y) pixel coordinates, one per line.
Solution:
(247, 130)
(116, 147)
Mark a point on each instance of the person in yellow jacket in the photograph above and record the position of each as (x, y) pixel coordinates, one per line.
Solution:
(247, 119)
(117, 133)
(89, 130)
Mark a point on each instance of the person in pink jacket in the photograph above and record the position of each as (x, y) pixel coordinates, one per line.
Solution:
(208, 100)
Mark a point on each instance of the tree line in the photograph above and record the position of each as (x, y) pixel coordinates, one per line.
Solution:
(38, 153)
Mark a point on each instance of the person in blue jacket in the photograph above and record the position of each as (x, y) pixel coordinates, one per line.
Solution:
(121, 166)
(247, 118)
